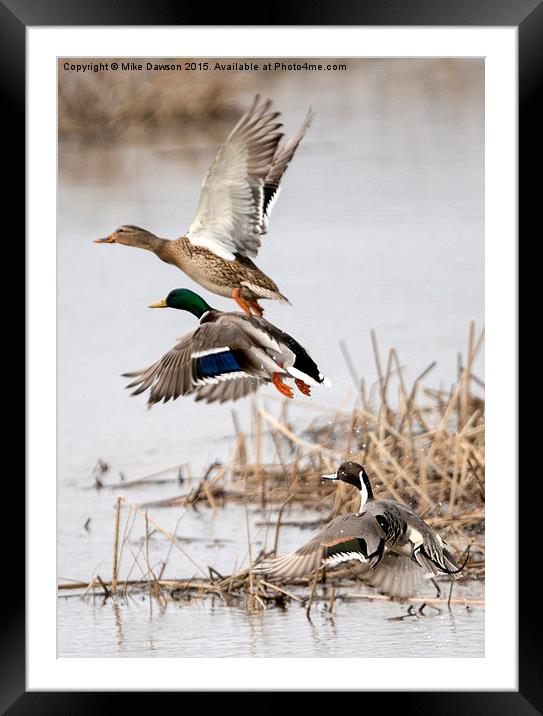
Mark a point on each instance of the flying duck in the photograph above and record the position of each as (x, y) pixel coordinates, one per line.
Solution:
(395, 547)
(227, 357)
(236, 199)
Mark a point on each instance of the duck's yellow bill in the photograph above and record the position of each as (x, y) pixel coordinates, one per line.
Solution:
(159, 304)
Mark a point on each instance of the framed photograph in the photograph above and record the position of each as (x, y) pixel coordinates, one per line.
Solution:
(333, 205)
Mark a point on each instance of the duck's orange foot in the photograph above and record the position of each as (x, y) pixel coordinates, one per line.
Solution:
(283, 388)
(256, 308)
(241, 303)
(302, 387)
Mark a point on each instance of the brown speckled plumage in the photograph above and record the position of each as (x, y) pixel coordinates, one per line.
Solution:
(219, 275)
(236, 199)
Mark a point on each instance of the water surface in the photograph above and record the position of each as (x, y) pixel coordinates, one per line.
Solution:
(354, 629)
(379, 225)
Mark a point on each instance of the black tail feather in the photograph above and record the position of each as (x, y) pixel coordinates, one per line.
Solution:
(444, 569)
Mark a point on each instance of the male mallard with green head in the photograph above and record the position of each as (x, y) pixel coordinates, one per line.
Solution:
(227, 357)
(236, 199)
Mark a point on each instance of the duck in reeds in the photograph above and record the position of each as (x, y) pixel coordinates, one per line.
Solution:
(236, 199)
(395, 547)
(227, 357)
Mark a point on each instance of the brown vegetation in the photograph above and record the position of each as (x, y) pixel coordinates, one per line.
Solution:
(129, 105)
(427, 451)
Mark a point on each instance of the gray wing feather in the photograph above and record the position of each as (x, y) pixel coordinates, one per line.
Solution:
(279, 167)
(307, 559)
(296, 564)
(433, 556)
(230, 211)
(228, 390)
(396, 576)
(241, 184)
(174, 374)
(354, 526)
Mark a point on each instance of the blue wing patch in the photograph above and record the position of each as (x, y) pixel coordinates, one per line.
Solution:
(216, 364)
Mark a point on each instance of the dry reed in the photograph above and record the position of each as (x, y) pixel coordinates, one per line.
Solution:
(426, 448)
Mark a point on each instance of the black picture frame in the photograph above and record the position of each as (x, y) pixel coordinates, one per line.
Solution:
(527, 16)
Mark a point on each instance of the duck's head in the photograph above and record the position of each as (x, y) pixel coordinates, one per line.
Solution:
(354, 474)
(130, 236)
(185, 300)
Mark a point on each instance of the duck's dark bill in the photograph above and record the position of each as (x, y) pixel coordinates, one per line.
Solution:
(107, 240)
(329, 477)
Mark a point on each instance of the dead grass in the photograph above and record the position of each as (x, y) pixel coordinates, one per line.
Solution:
(127, 104)
(421, 446)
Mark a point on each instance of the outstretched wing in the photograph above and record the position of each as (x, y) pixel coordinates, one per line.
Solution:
(353, 536)
(238, 190)
(396, 576)
(225, 390)
(204, 362)
(278, 168)
(345, 538)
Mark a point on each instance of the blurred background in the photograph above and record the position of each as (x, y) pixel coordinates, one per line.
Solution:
(379, 225)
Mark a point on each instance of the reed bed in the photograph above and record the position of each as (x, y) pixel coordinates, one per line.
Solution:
(126, 104)
(420, 445)
(129, 105)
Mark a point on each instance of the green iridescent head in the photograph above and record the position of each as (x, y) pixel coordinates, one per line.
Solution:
(185, 300)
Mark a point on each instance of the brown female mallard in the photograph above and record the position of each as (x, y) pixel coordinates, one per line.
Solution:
(237, 196)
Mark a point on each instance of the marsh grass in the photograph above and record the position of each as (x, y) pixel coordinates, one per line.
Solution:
(421, 446)
(126, 104)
